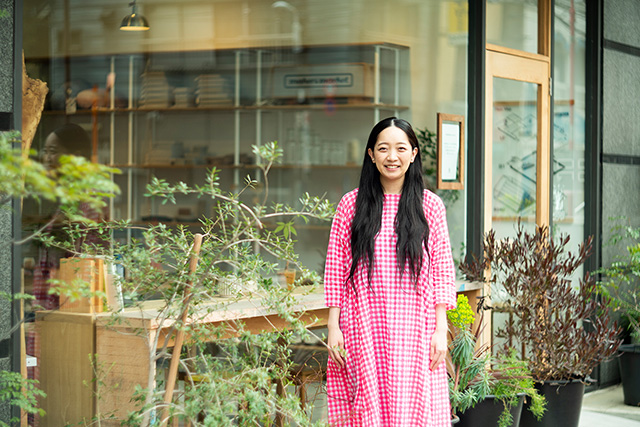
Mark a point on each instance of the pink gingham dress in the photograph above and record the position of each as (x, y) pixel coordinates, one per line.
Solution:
(387, 328)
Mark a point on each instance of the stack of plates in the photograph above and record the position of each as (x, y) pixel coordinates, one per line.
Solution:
(212, 90)
(181, 98)
(155, 90)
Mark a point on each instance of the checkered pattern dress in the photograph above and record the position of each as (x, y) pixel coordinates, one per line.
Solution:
(388, 327)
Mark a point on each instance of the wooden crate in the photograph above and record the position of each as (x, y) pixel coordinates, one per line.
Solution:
(89, 270)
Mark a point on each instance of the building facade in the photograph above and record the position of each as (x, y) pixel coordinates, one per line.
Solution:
(547, 91)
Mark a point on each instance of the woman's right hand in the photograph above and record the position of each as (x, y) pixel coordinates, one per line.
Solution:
(335, 342)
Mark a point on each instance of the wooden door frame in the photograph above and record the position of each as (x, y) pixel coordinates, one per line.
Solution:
(531, 68)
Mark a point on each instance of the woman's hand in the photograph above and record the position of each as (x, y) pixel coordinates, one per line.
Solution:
(438, 349)
(335, 341)
(439, 342)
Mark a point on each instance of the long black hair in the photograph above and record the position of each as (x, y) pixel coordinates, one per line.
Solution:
(74, 140)
(410, 223)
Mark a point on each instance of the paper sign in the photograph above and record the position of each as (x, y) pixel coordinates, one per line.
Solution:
(450, 151)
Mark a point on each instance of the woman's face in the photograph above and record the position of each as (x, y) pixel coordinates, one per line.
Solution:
(392, 155)
(52, 151)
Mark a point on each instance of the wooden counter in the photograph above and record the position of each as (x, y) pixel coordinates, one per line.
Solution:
(125, 351)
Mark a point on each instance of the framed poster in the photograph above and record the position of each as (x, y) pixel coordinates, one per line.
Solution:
(450, 152)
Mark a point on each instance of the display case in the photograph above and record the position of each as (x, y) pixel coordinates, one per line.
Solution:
(174, 115)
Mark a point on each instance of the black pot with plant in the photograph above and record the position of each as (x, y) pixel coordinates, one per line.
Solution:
(485, 391)
(563, 329)
(620, 284)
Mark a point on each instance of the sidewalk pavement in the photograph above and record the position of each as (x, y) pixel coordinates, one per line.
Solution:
(605, 408)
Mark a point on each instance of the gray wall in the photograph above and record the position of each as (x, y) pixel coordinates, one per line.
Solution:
(6, 217)
(620, 128)
(620, 115)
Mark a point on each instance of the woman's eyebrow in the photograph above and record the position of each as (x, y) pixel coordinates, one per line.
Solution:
(394, 142)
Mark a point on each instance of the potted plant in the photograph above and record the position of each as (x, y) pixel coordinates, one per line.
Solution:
(485, 391)
(548, 315)
(620, 285)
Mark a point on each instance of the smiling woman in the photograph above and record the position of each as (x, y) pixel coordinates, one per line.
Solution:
(392, 154)
(389, 279)
(69, 139)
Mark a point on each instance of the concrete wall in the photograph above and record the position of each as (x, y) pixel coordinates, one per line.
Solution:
(6, 217)
(620, 116)
(620, 128)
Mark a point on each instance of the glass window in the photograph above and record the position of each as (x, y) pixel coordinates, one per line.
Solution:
(514, 150)
(569, 119)
(513, 24)
(209, 79)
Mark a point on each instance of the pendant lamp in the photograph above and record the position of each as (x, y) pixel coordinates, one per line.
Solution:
(134, 22)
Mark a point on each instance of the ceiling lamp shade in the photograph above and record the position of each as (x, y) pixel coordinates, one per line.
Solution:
(134, 22)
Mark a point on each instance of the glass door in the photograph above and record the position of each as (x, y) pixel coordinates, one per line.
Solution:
(517, 144)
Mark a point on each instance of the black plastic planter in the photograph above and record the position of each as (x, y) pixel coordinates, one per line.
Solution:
(564, 402)
(630, 373)
(487, 412)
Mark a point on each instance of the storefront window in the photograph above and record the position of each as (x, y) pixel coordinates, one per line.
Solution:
(514, 156)
(569, 119)
(513, 24)
(210, 79)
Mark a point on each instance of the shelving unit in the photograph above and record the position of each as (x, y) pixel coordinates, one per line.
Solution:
(322, 128)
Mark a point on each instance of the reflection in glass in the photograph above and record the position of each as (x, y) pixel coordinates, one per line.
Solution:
(514, 154)
(569, 118)
(513, 24)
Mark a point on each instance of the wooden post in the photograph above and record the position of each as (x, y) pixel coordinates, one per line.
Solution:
(177, 348)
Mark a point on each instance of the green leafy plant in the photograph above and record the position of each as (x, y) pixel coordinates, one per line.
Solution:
(233, 376)
(564, 330)
(76, 181)
(20, 392)
(513, 379)
(469, 379)
(474, 374)
(620, 282)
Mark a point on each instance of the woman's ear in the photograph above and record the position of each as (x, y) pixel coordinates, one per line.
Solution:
(415, 153)
(371, 155)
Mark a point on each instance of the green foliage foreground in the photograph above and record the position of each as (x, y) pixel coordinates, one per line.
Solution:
(76, 181)
(620, 282)
(234, 376)
(475, 374)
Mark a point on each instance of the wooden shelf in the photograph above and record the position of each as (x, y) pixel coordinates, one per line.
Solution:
(248, 108)
(228, 166)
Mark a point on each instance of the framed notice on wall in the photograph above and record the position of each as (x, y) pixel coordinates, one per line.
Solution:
(450, 152)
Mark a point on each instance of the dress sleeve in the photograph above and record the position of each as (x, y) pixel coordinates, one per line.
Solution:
(338, 263)
(442, 267)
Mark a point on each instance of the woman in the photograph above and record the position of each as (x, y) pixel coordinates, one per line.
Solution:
(69, 139)
(389, 279)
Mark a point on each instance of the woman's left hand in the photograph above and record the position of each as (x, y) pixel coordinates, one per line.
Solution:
(438, 348)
